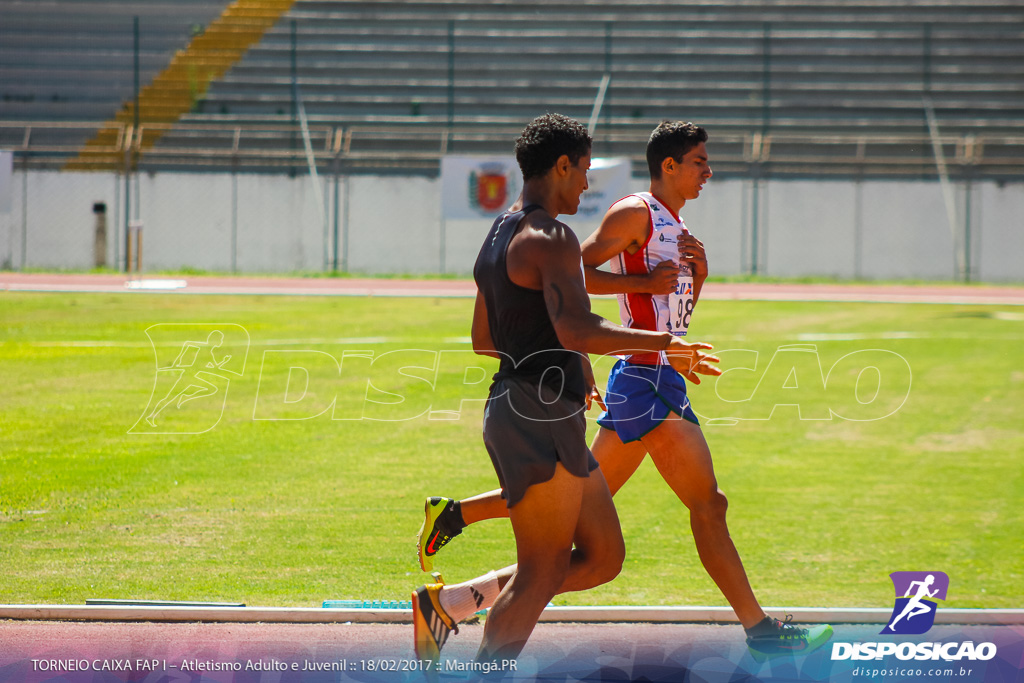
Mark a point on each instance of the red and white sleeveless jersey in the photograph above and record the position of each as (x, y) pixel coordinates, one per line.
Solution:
(656, 312)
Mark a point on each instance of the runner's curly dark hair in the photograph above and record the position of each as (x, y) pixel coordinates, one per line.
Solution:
(545, 139)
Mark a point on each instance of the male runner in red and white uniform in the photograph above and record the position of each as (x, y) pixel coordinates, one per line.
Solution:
(658, 270)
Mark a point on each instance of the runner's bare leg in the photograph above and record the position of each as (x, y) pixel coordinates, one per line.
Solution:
(550, 519)
(683, 458)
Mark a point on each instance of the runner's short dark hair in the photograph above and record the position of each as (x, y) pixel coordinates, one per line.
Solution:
(545, 139)
(672, 139)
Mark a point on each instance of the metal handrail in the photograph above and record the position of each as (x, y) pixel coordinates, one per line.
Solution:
(336, 142)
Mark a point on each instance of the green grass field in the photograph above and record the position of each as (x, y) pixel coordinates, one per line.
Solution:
(275, 503)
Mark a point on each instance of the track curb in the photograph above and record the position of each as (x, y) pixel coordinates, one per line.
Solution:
(589, 614)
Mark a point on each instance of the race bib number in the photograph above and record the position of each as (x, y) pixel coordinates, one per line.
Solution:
(680, 303)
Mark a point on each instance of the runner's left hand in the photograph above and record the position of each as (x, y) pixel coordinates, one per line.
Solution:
(691, 250)
(593, 394)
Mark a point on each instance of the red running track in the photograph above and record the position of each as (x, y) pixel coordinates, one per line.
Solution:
(936, 294)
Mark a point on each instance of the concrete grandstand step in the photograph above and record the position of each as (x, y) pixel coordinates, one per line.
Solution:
(174, 91)
(834, 67)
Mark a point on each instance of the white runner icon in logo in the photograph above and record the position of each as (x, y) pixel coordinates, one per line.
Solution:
(915, 606)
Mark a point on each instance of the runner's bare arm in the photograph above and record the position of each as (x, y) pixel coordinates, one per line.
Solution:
(481, 330)
(581, 330)
(624, 228)
(550, 255)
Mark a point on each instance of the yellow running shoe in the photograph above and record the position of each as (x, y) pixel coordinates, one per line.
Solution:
(439, 527)
(431, 624)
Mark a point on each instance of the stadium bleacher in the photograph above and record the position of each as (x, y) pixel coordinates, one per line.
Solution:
(790, 86)
(73, 61)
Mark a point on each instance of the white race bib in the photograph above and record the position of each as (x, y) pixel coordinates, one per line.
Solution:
(680, 303)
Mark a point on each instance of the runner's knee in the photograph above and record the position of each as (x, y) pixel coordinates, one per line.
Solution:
(542, 577)
(610, 564)
(601, 564)
(709, 503)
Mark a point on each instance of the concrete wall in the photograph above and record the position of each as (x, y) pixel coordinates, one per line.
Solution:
(260, 223)
(997, 247)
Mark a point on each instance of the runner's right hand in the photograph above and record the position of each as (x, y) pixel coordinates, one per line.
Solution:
(663, 278)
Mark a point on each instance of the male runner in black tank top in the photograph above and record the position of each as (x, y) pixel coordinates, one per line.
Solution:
(678, 162)
(566, 529)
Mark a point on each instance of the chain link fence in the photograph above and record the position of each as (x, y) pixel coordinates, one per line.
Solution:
(376, 224)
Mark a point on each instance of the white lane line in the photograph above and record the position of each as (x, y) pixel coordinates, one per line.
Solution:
(86, 343)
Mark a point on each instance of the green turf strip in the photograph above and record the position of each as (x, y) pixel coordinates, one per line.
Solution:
(292, 512)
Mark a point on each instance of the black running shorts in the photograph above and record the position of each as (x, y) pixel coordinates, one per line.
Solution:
(528, 429)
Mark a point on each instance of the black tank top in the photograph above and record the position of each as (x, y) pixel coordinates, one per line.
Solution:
(518, 318)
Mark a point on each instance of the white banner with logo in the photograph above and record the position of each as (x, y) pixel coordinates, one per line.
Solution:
(483, 187)
(608, 181)
(478, 187)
